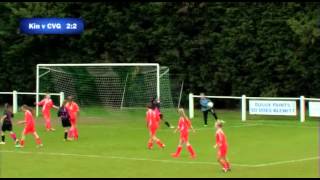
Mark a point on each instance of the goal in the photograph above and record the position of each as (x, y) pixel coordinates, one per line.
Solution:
(109, 85)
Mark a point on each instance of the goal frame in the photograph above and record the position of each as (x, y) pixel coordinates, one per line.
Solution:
(38, 75)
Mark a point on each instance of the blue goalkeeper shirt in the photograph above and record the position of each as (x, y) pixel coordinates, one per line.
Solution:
(204, 104)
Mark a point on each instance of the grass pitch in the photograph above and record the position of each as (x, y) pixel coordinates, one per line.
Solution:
(113, 144)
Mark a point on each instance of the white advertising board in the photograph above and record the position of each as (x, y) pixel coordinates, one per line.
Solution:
(314, 109)
(266, 107)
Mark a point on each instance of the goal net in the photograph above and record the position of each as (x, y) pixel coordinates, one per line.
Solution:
(107, 85)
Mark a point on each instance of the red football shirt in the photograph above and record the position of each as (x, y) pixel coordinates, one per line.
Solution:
(184, 124)
(221, 139)
(151, 118)
(73, 109)
(29, 119)
(46, 104)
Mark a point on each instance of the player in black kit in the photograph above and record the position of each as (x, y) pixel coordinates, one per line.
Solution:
(6, 124)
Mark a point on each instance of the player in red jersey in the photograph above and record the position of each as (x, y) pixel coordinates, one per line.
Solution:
(29, 127)
(153, 124)
(73, 110)
(47, 104)
(183, 126)
(222, 145)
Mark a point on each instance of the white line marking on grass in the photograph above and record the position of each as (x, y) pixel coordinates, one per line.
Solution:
(236, 126)
(290, 126)
(164, 161)
(168, 129)
(286, 162)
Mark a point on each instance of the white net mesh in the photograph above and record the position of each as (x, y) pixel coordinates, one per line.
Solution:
(108, 86)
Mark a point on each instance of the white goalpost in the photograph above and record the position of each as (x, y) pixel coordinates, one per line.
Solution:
(114, 85)
(15, 97)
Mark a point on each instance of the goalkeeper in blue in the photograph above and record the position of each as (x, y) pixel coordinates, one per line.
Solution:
(206, 107)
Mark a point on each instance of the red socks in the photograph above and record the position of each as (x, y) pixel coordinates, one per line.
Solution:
(71, 132)
(160, 144)
(150, 144)
(22, 143)
(38, 141)
(13, 136)
(227, 165)
(76, 135)
(177, 154)
(191, 151)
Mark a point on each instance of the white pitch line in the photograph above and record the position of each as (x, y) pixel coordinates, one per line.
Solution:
(114, 157)
(286, 162)
(165, 161)
(203, 128)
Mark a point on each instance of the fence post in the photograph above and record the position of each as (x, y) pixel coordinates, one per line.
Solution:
(15, 101)
(244, 108)
(302, 109)
(61, 98)
(191, 106)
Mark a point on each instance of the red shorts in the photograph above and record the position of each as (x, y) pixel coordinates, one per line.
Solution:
(222, 152)
(184, 136)
(153, 131)
(73, 121)
(29, 130)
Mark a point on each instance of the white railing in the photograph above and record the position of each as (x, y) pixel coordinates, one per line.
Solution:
(15, 95)
(244, 99)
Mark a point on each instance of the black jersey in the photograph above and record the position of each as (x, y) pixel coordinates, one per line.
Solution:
(9, 116)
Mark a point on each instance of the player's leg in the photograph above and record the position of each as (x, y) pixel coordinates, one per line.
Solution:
(37, 138)
(227, 163)
(179, 149)
(221, 159)
(157, 140)
(13, 136)
(165, 122)
(46, 121)
(76, 133)
(151, 136)
(214, 114)
(22, 139)
(3, 137)
(205, 118)
(191, 150)
(72, 129)
(159, 143)
(65, 135)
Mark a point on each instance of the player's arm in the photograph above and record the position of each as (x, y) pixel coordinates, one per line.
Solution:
(147, 122)
(41, 103)
(218, 143)
(21, 122)
(193, 130)
(3, 118)
(176, 130)
(59, 113)
(55, 107)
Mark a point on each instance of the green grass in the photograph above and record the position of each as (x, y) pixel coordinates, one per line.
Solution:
(113, 144)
